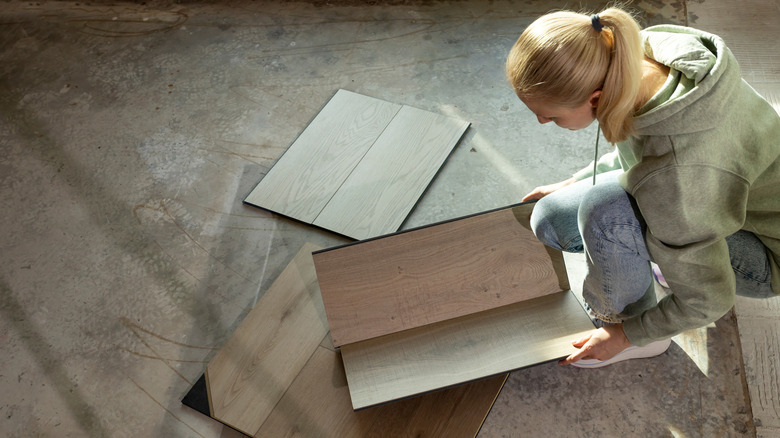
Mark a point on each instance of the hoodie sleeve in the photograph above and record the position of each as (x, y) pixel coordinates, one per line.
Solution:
(607, 162)
(689, 211)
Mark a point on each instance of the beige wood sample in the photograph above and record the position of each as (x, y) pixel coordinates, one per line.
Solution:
(360, 166)
(463, 349)
(318, 404)
(252, 371)
(278, 376)
(312, 169)
(434, 273)
(393, 174)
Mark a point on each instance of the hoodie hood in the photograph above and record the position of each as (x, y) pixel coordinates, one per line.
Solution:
(703, 71)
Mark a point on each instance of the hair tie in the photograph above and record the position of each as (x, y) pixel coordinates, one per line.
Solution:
(596, 22)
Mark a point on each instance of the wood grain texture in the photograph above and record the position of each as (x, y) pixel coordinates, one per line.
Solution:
(305, 178)
(249, 375)
(459, 350)
(457, 412)
(317, 404)
(432, 274)
(360, 166)
(394, 173)
(279, 376)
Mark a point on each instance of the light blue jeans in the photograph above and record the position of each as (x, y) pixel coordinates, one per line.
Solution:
(601, 220)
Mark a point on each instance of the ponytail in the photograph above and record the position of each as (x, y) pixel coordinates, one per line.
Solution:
(619, 93)
(564, 57)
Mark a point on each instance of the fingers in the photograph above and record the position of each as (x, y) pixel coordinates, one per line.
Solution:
(579, 355)
(535, 195)
(582, 341)
(600, 344)
(582, 353)
(542, 191)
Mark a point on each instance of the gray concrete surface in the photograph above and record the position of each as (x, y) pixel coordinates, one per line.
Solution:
(130, 132)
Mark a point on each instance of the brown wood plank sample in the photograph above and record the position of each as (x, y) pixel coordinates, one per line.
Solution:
(278, 376)
(454, 412)
(433, 274)
(360, 166)
(318, 404)
(304, 179)
(459, 350)
(393, 174)
(249, 375)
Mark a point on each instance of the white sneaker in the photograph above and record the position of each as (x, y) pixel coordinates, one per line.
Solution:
(633, 352)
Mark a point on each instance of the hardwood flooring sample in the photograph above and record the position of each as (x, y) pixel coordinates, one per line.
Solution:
(434, 273)
(250, 374)
(360, 166)
(459, 350)
(302, 182)
(318, 404)
(454, 412)
(393, 174)
(279, 376)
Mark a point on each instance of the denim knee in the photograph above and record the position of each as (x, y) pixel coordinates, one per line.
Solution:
(750, 262)
(554, 222)
(606, 211)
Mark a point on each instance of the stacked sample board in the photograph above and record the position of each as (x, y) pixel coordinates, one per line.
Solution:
(279, 375)
(445, 304)
(360, 166)
(431, 319)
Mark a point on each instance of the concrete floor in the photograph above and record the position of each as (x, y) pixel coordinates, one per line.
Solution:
(131, 132)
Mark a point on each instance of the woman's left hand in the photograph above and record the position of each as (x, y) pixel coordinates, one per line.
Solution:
(600, 344)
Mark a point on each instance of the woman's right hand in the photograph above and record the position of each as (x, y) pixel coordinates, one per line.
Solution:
(542, 191)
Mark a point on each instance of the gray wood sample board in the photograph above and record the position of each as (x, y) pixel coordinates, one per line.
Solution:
(445, 304)
(359, 168)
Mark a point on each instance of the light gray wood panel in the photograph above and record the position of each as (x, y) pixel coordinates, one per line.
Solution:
(383, 189)
(434, 273)
(252, 371)
(459, 350)
(305, 178)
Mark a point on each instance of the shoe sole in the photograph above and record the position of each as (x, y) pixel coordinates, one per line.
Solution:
(650, 350)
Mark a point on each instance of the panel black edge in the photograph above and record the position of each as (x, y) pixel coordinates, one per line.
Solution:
(198, 397)
(424, 226)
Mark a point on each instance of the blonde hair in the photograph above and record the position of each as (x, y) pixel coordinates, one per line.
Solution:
(562, 58)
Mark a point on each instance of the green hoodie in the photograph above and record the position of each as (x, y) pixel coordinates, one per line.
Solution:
(705, 164)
